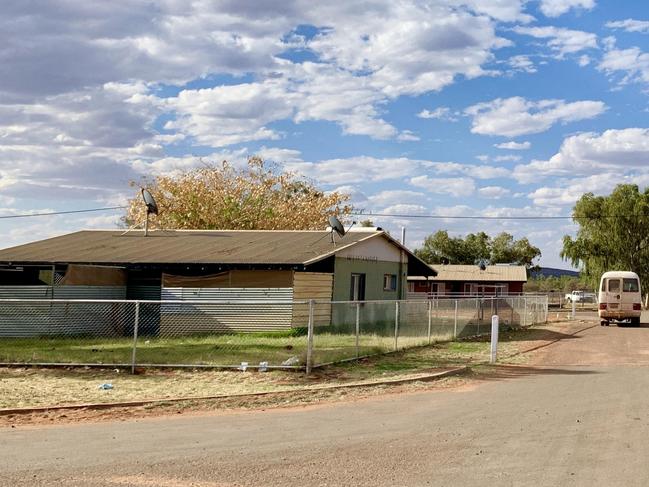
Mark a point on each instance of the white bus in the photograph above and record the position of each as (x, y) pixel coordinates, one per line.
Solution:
(620, 298)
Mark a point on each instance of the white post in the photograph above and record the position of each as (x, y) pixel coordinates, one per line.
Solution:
(358, 328)
(136, 324)
(309, 339)
(547, 309)
(455, 322)
(396, 326)
(430, 318)
(494, 338)
(524, 312)
(574, 309)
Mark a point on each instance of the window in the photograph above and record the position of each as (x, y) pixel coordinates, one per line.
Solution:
(357, 288)
(389, 282)
(630, 286)
(613, 285)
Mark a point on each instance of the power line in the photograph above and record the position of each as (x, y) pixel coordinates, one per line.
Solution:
(480, 217)
(465, 217)
(68, 212)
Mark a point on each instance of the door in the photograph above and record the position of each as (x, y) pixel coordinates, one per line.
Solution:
(613, 294)
(357, 288)
(630, 293)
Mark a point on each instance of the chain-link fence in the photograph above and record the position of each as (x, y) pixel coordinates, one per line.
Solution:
(243, 334)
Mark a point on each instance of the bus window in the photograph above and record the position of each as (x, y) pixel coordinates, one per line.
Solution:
(630, 286)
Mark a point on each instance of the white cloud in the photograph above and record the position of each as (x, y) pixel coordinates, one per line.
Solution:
(475, 171)
(408, 136)
(514, 145)
(440, 113)
(561, 41)
(504, 10)
(584, 60)
(396, 196)
(555, 8)
(630, 25)
(567, 192)
(454, 186)
(226, 115)
(408, 48)
(279, 155)
(507, 158)
(356, 169)
(403, 209)
(632, 63)
(522, 63)
(589, 153)
(493, 192)
(516, 116)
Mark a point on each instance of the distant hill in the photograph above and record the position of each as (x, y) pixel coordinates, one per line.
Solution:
(552, 272)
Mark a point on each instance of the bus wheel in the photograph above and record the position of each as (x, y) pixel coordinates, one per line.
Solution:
(603, 323)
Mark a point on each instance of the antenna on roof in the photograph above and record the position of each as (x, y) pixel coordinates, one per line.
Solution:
(151, 208)
(337, 226)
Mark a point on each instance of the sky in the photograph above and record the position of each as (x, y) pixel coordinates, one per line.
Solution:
(439, 107)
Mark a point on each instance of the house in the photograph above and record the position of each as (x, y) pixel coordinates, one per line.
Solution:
(470, 280)
(190, 265)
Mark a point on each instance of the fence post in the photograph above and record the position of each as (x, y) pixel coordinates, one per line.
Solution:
(396, 326)
(524, 312)
(494, 338)
(455, 322)
(358, 328)
(574, 309)
(309, 339)
(430, 317)
(136, 324)
(547, 309)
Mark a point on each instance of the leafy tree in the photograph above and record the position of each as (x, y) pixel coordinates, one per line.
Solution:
(612, 234)
(258, 197)
(562, 284)
(440, 248)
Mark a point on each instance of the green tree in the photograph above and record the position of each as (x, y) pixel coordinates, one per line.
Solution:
(612, 234)
(440, 248)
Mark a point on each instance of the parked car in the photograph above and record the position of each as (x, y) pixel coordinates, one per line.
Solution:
(579, 297)
(619, 298)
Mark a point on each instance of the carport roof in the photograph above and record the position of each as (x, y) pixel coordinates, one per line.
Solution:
(110, 247)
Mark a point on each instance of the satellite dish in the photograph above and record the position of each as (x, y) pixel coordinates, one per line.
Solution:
(151, 208)
(149, 201)
(336, 226)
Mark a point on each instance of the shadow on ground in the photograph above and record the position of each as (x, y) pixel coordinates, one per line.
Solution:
(500, 372)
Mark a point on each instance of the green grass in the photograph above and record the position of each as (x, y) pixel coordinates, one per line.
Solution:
(223, 349)
(232, 349)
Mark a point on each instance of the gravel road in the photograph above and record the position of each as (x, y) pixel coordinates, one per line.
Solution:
(581, 423)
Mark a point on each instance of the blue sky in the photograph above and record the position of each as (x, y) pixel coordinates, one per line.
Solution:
(447, 107)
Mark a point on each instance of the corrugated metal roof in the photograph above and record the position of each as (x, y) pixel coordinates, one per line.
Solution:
(472, 273)
(188, 247)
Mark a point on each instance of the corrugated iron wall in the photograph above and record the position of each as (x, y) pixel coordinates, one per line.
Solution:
(219, 317)
(62, 292)
(42, 318)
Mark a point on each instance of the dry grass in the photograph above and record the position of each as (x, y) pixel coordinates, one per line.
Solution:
(32, 387)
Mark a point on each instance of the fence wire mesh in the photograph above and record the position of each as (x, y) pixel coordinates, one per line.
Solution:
(244, 334)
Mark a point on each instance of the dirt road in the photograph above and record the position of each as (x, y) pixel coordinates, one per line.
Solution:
(582, 424)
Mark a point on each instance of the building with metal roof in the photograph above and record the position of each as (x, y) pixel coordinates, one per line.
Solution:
(470, 280)
(364, 264)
